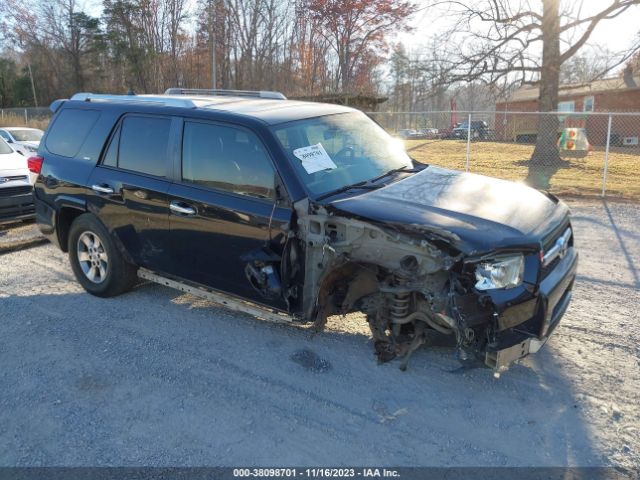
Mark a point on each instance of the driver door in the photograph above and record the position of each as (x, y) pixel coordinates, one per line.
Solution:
(223, 208)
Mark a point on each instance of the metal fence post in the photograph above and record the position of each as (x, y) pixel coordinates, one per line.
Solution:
(468, 142)
(26, 118)
(606, 158)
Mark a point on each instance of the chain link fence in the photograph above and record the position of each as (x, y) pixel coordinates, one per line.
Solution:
(565, 153)
(35, 117)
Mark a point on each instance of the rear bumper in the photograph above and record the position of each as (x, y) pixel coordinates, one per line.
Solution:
(549, 306)
(16, 207)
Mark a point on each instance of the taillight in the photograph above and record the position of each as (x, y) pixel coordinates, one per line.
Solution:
(35, 164)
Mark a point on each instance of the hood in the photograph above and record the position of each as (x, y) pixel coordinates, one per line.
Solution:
(12, 162)
(477, 213)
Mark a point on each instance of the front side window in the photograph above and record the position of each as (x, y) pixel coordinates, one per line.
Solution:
(226, 158)
(334, 151)
(143, 145)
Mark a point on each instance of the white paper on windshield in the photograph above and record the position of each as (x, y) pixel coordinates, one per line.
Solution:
(314, 158)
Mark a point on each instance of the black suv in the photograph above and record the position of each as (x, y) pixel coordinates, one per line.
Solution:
(479, 131)
(297, 211)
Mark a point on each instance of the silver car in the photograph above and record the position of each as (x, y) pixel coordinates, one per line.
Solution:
(23, 140)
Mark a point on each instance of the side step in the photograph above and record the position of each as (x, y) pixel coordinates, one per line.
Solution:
(222, 299)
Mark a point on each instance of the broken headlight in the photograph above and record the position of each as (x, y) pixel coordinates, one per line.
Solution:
(505, 272)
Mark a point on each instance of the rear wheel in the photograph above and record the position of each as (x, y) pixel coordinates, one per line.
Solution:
(97, 264)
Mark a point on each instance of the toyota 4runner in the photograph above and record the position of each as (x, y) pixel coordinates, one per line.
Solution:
(296, 211)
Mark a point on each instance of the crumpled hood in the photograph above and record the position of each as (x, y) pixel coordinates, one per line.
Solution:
(480, 213)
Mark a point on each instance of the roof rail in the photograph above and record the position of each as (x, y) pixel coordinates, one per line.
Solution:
(229, 93)
(142, 99)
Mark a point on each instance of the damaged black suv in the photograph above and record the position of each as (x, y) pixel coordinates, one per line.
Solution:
(296, 211)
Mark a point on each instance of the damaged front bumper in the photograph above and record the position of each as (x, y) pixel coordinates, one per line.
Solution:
(548, 306)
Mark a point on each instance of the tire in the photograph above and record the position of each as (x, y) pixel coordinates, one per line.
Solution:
(96, 262)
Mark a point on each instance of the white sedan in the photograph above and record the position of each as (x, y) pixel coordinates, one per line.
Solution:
(16, 190)
(23, 140)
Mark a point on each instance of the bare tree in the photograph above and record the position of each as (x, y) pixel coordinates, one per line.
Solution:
(499, 41)
(355, 29)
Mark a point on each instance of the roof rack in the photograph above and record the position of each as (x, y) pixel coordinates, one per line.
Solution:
(229, 93)
(142, 99)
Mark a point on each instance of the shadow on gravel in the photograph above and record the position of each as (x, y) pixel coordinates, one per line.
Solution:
(154, 378)
(623, 247)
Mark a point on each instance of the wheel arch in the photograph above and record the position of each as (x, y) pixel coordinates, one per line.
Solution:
(65, 217)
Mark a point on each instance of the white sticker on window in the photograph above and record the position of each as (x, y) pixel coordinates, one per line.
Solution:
(314, 158)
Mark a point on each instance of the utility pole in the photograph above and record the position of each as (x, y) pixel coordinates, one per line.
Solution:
(33, 86)
(212, 37)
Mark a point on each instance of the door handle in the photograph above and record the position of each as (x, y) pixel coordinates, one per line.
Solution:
(180, 208)
(102, 189)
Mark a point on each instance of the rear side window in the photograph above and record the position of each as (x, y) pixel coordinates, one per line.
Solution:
(226, 158)
(70, 130)
(141, 145)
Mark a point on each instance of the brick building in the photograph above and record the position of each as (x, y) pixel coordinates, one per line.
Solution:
(578, 101)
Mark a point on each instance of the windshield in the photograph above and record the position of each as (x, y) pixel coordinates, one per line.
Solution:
(4, 147)
(27, 135)
(334, 151)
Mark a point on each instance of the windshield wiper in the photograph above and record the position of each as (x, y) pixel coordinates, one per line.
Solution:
(404, 168)
(366, 184)
(369, 184)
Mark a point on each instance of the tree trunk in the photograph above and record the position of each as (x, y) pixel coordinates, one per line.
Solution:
(546, 150)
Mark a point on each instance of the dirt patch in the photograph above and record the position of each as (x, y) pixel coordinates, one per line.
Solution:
(19, 236)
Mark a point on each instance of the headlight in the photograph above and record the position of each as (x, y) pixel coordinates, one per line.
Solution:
(505, 272)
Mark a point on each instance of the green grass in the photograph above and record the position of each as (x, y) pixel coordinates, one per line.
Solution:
(580, 176)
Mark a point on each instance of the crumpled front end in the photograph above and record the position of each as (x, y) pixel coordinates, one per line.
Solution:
(417, 288)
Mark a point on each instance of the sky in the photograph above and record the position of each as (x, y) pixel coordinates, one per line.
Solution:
(615, 34)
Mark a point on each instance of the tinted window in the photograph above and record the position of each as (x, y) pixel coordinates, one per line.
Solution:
(226, 158)
(144, 145)
(69, 131)
(111, 156)
(4, 135)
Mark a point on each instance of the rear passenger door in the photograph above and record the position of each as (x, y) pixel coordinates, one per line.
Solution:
(223, 207)
(129, 186)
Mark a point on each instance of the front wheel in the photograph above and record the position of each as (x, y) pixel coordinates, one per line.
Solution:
(96, 263)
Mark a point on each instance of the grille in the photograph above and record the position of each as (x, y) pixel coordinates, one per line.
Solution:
(549, 268)
(16, 177)
(10, 191)
(549, 242)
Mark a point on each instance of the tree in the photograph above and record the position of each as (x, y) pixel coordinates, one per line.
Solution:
(498, 42)
(357, 30)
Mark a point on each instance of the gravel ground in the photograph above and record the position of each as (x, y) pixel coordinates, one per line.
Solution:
(156, 377)
(19, 235)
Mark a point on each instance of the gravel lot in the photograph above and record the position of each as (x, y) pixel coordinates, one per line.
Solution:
(156, 377)
(19, 235)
